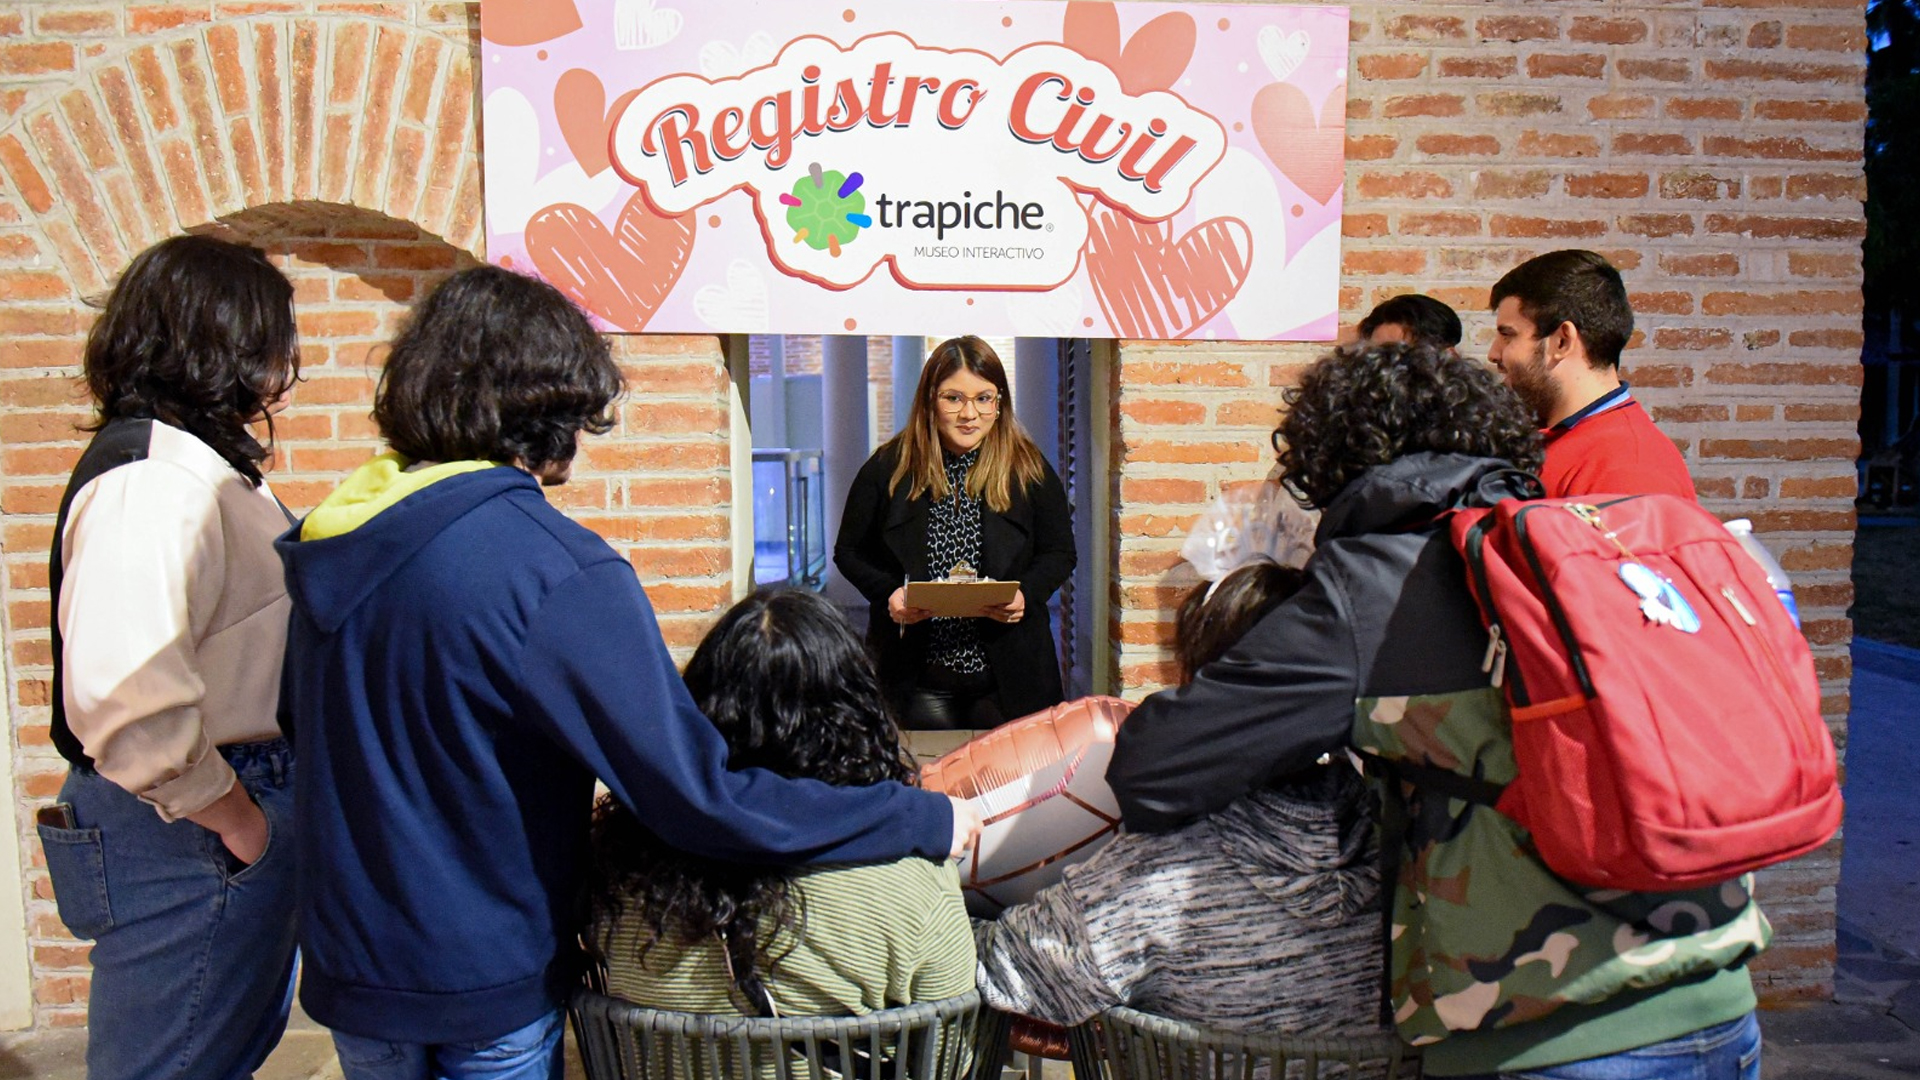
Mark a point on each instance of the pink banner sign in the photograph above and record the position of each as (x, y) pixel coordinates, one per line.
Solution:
(1045, 169)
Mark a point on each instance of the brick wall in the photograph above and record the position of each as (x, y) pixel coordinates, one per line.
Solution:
(1710, 148)
(1712, 151)
(340, 138)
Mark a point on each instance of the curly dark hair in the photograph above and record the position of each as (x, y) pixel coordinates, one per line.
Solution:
(1363, 406)
(496, 366)
(197, 333)
(792, 690)
(1213, 617)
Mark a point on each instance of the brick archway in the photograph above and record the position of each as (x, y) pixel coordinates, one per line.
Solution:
(183, 131)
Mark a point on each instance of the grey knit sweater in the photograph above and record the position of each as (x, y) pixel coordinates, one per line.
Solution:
(1261, 918)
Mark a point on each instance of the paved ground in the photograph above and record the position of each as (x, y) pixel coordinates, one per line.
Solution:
(1871, 1031)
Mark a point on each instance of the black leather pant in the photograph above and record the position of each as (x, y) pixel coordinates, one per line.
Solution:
(945, 700)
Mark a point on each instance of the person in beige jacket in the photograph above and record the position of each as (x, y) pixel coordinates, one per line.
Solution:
(169, 844)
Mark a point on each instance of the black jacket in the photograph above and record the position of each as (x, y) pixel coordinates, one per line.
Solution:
(1384, 610)
(883, 541)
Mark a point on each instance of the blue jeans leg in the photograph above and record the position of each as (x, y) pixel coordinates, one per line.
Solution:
(530, 1053)
(1729, 1051)
(193, 957)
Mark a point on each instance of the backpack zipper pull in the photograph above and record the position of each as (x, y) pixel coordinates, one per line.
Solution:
(1745, 615)
(1495, 662)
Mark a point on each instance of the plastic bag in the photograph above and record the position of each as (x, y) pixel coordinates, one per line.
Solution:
(1256, 521)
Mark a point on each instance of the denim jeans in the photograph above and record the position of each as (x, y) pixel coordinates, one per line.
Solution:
(531, 1053)
(193, 956)
(1729, 1051)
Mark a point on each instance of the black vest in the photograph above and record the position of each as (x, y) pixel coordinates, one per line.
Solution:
(122, 442)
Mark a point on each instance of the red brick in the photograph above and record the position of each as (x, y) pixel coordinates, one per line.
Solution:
(1697, 265)
(1619, 107)
(1404, 185)
(1608, 186)
(1777, 148)
(1518, 28)
(78, 22)
(1135, 373)
(1652, 144)
(1445, 144)
(1371, 147)
(1774, 374)
(1841, 187)
(1831, 338)
(1402, 261)
(36, 58)
(26, 176)
(1390, 67)
(157, 18)
(1158, 411)
(208, 133)
(1553, 144)
(1766, 226)
(1425, 28)
(1698, 186)
(1638, 70)
(1844, 112)
(1744, 70)
(1440, 224)
(1518, 103)
(1843, 39)
(1765, 35)
(1715, 108)
(1531, 184)
(1566, 66)
(1604, 31)
(1661, 303)
(1425, 105)
(1479, 67)
(1805, 302)
(1557, 228)
(1657, 225)
(1364, 225)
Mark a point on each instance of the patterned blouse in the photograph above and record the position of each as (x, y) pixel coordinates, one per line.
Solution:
(1261, 918)
(953, 536)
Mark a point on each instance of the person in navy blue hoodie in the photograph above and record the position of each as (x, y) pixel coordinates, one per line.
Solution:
(463, 662)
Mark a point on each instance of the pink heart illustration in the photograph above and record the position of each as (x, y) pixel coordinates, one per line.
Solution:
(527, 22)
(622, 275)
(1153, 59)
(1311, 154)
(580, 105)
(1151, 285)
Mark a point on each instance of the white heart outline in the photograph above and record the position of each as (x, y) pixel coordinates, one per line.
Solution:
(723, 59)
(741, 306)
(642, 24)
(515, 190)
(1283, 55)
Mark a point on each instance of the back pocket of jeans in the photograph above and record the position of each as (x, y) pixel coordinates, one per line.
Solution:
(77, 864)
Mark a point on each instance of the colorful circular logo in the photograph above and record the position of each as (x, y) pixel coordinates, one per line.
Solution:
(826, 210)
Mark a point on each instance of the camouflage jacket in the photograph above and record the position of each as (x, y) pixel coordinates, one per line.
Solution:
(1486, 937)
(1496, 963)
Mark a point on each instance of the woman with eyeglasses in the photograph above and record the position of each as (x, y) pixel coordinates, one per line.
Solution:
(786, 681)
(962, 483)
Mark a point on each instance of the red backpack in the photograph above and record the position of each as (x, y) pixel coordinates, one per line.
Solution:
(1666, 715)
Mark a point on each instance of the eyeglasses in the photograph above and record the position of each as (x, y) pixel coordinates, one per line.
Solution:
(986, 404)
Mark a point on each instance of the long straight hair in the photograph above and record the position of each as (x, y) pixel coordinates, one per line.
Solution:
(1007, 455)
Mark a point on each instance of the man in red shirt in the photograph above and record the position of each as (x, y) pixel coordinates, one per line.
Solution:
(1561, 320)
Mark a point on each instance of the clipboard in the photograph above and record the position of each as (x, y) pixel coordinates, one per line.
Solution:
(951, 598)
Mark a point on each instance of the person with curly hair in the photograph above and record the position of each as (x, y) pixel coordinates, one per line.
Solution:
(463, 662)
(1497, 965)
(170, 843)
(791, 690)
(1263, 917)
(1561, 321)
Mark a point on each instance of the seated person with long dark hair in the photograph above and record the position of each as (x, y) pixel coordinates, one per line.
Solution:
(1260, 918)
(792, 691)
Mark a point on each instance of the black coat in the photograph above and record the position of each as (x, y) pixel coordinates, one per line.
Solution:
(1384, 610)
(883, 541)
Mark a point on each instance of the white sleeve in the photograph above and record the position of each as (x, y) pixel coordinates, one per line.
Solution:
(145, 565)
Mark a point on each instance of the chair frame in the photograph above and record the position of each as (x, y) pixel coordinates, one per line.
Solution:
(939, 1040)
(1127, 1044)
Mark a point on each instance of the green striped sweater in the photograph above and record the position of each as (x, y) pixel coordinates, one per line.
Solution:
(872, 937)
